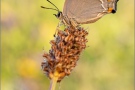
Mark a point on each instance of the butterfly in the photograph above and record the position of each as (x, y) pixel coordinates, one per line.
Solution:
(76, 12)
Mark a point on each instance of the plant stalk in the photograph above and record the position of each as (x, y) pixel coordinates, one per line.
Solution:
(53, 83)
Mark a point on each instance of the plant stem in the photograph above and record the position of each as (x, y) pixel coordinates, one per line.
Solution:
(53, 83)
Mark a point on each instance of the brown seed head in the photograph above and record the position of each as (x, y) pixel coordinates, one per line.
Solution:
(64, 53)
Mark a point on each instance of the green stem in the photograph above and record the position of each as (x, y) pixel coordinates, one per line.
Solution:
(53, 83)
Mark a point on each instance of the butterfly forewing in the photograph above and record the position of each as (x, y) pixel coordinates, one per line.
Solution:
(83, 11)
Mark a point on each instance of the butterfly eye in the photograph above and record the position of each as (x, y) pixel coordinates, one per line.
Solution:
(59, 14)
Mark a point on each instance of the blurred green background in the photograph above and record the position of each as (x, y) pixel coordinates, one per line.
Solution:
(26, 30)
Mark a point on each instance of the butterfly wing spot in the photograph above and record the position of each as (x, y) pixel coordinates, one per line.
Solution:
(109, 0)
(110, 10)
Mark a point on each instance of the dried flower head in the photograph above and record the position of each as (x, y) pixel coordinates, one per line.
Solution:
(64, 52)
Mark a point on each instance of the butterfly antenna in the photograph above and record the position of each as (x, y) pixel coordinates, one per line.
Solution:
(53, 5)
(49, 8)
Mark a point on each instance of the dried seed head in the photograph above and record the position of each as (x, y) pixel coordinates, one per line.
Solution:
(64, 53)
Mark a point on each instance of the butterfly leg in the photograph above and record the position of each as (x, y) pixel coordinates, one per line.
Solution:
(58, 27)
(74, 23)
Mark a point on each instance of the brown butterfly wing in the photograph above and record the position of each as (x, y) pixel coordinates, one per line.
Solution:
(85, 11)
